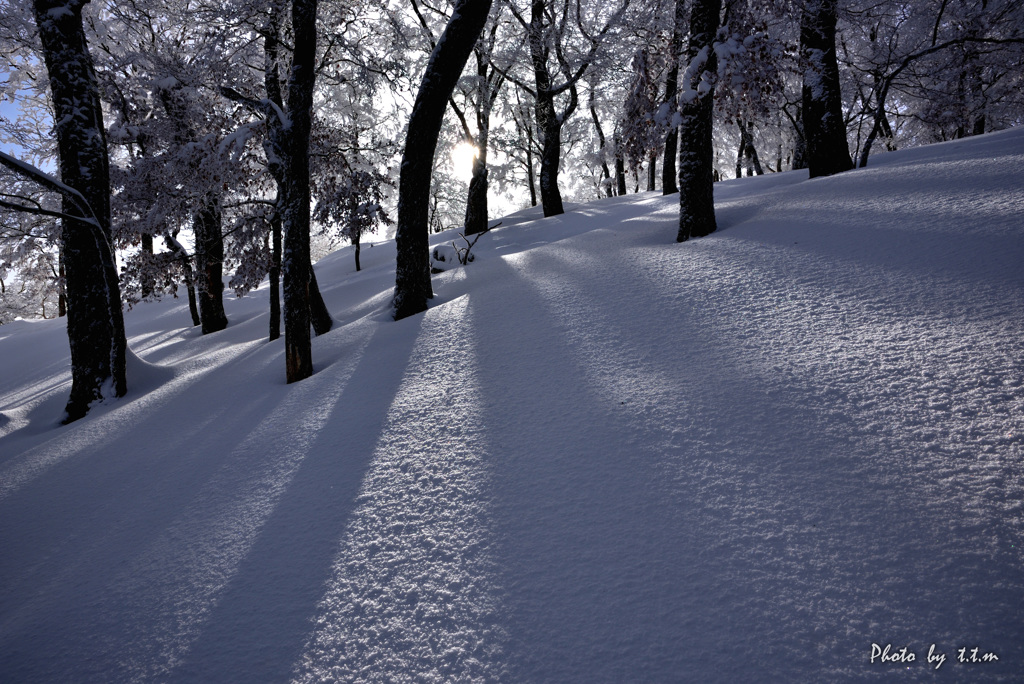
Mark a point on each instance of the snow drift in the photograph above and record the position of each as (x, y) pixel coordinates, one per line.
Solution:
(774, 454)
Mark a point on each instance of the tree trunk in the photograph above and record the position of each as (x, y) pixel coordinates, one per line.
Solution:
(696, 157)
(295, 194)
(190, 290)
(740, 152)
(210, 265)
(185, 261)
(799, 143)
(355, 243)
(620, 168)
(319, 316)
(605, 172)
(148, 284)
(652, 175)
(549, 122)
(669, 184)
(824, 128)
(62, 294)
(275, 276)
(412, 268)
(95, 320)
(749, 153)
(551, 153)
(476, 201)
(979, 125)
(530, 178)
(668, 168)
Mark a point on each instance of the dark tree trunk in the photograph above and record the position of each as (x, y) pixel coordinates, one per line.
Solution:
(412, 269)
(186, 270)
(887, 132)
(62, 293)
(210, 265)
(652, 175)
(824, 128)
(979, 126)
(668, 169)
(549, 121)
(879, 121)
(799, 143)
(148, 284)
(748, 153)
(740, 152)
(606, 174)
(530, 178)
(355, 243)
(531, 181)
(320, 317)
(620, 168)
(275, 276)
(548, 125)
(669, 184)
(489, 83)
(190, 289)
(287, 146)
(696, 157)
(551, 153)
(476, 201)
(95, 320)
(295, 194)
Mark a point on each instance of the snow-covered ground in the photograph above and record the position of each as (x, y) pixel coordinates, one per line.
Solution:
(600, 456)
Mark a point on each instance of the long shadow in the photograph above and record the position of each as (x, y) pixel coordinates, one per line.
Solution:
(258, 628)
(946, 226)
(754, 533)
(64, 542)
(587, 545)
(834, 379)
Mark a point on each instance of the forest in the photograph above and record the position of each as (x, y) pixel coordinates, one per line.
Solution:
(507, 341)
(157, 147)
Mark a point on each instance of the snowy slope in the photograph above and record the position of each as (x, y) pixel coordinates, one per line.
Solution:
(599, 457)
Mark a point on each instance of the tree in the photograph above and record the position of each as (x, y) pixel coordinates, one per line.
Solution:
(480, 93)
(354, 207)
(95, 320)
(447, 60)
(668, 169)
(949, 68)
(486, 86)
(520, 144)
(696, 168)
(180, 162)
(548, 34)
(206, 219)
(294, 198)
(33, 289)
(641, 135)
(605, 187)
(824, 126)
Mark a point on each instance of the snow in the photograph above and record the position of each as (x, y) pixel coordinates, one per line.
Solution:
(600, 456)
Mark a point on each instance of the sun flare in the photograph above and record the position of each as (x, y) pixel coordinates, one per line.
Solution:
(463, 155)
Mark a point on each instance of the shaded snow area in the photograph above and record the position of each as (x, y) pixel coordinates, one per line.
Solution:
(773, 454)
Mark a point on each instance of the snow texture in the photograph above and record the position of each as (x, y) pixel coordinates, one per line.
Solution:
(600, 456)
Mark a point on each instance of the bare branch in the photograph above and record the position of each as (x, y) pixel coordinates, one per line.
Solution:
(44, 179)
